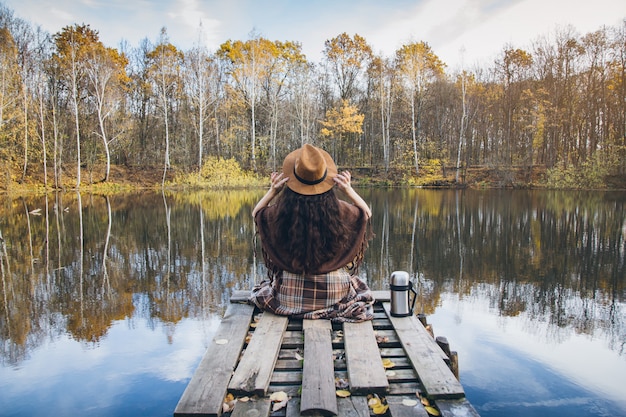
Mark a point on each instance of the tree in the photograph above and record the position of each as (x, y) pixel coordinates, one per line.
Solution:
(106, 72)
(340, 123)
(382, 77)
(73, 44)
(282, 60)
(9, 91)
(165, 67)
(200, 72)
(513, 69)
(303, 100)
(244, 62)
(417, 67)
(347, 57)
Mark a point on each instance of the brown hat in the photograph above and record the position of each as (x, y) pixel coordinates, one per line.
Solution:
(310, 170)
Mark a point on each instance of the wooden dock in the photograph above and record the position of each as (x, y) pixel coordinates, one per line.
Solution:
(390, 366)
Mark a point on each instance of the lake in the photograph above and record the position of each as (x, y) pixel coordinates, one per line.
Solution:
(108, 303)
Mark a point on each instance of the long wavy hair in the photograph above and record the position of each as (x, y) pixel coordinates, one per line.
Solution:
(309, 227)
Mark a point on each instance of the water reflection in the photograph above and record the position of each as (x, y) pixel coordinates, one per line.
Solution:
(77, 265)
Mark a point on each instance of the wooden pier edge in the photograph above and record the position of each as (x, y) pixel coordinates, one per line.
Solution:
(306, 358)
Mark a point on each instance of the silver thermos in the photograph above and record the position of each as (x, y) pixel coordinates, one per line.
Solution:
(400, 287)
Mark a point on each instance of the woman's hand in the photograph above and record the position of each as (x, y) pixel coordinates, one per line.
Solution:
(343, 180)
(344, 183)
(278, 181)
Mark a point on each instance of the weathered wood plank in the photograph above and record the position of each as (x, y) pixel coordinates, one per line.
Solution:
(318, 378)
(239, 296)
(205, 392)
(259, 408)
(381, 296)
(354, 406)
(255, 368)
(365, 367)
(427, 358)
(456, 408)
(398, 409)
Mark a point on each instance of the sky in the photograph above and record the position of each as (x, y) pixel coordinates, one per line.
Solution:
(462, 33)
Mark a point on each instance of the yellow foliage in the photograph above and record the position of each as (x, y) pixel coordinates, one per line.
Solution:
(342, 121)
(219, 173)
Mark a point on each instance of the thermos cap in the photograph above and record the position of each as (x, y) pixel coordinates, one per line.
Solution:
(399, 278)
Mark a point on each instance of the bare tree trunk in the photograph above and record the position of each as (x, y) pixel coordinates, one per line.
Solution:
(75, 103)
(414, 133)
(25, 98)
(462, 128)
(42, 118)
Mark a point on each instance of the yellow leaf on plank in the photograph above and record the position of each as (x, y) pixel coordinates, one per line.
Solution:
(432, 410)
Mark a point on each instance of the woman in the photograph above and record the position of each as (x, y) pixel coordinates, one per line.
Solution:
(312, 242)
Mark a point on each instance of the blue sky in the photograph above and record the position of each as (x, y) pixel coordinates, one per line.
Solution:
(479, 28)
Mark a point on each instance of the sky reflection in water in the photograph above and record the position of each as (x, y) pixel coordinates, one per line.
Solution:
(509, 368)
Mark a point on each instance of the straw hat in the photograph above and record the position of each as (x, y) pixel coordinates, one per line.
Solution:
(310, 170)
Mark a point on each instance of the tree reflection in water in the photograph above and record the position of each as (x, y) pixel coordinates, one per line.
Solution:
(74, 264)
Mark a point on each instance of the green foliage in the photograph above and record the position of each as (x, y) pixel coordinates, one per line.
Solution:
(589, 175)
(219, 173)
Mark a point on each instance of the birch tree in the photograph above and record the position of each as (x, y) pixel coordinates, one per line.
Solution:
(282, 59)
(72, 44)
(105, 69)
(165, 68)
(200, 72)
(347, 57)
(243, 63)
(417, 67)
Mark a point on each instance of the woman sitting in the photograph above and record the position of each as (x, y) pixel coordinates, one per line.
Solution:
(313, 242)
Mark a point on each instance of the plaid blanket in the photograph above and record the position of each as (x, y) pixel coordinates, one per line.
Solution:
(336, 295)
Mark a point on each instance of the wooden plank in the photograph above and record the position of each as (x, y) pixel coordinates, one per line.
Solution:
(381, 296)
(427, 358)
(239, 296)
(398, 409)
(354, 406)
(456, 408)
(254, 371)
(205, 392)
(318, 377)
(259, 408)
(365, 367)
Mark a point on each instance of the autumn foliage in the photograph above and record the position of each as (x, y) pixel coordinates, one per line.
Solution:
(71, 107)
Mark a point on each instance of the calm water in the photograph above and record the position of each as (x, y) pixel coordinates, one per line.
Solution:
(107, 304)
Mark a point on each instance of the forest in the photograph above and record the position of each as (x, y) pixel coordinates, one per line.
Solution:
(73, 110)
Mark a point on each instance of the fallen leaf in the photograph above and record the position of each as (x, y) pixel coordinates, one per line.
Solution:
(342, 393)
(387, 363)
(279, 396)
(372, 402)
(280, 404)
(425, 401)
(243, 399)
(432, 410)
(380, 409)
(341, 383)
(390, 373)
